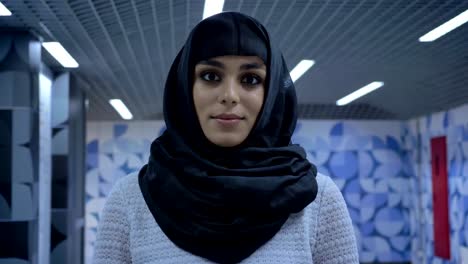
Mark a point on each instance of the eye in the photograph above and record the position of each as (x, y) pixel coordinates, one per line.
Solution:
(210, 77)
(251, 79)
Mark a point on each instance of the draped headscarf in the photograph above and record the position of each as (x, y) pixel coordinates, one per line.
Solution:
(224, 203)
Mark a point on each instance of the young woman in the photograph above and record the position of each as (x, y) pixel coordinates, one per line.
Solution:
(224, 183)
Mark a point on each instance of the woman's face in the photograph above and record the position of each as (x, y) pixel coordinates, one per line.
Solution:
(228, 93)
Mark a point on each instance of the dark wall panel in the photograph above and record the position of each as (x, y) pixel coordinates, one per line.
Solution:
(20, 59)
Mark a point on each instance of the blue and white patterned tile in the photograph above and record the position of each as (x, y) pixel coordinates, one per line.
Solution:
(459, 114)
(92, 183)
(465, 227)
(152, 130)
(318, 158)
(451, 124)
(106, 137)
(344, 164)
(389, 161)
(92, 131)
(373, 163)
(367, 164)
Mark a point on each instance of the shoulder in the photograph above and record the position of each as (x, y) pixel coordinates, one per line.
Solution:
(329, 199)
(120, 202)
(113, 235)
(126, 183)
(334, 240)
(327, 188)
(123, 190)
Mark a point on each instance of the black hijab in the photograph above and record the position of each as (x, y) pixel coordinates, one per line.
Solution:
(224, 203)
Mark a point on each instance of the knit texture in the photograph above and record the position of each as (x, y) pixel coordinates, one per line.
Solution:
(321, 233)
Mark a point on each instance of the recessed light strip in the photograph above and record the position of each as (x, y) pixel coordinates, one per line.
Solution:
(120, 107)
(212, 7)
(359, 93)
(300, 69)
(4, 10)
(60, 54)
(445, 28)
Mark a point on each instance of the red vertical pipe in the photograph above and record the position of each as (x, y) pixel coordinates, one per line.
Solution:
(440, 197)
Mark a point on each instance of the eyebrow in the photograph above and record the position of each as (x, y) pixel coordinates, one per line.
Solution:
(249, 66)
(246, 66)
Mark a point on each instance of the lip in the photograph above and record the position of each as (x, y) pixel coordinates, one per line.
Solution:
(228, 116)
(228, 120)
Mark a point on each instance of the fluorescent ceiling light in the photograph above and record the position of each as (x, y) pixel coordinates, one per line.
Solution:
(361, 92)
(445, 28)
(212, 7)
(4, 11)
(60, 54)
(120, 107)
(300, 69)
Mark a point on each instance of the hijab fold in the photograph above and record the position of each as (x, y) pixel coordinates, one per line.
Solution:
(219, 203)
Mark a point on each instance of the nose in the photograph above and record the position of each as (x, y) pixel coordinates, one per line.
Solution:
(229, 93)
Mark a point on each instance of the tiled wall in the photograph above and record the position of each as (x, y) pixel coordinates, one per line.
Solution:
(113, 151)
(60, 146)
(67, 159)
(382, 168)
(366, 159)
(454, 125)
(21, 89)
(38, 114)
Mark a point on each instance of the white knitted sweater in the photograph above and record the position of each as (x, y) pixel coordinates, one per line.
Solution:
(321, 233)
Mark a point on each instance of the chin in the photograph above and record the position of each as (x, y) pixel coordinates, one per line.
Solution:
(226, 141)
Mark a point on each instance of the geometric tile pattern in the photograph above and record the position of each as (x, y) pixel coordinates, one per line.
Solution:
(5, 165)
(14, 249)
(366, 159)
(16, 171)
(19, 61)
(58, 236)
(60, 169)
(113, 151)
(454, 125)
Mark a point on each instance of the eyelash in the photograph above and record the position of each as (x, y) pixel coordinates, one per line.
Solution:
(256, 77)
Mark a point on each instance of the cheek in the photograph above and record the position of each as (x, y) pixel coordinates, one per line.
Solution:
(202, 99)
(256, 101)
(198, 99)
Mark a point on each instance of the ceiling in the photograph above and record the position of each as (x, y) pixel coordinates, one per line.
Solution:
(125, 48)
